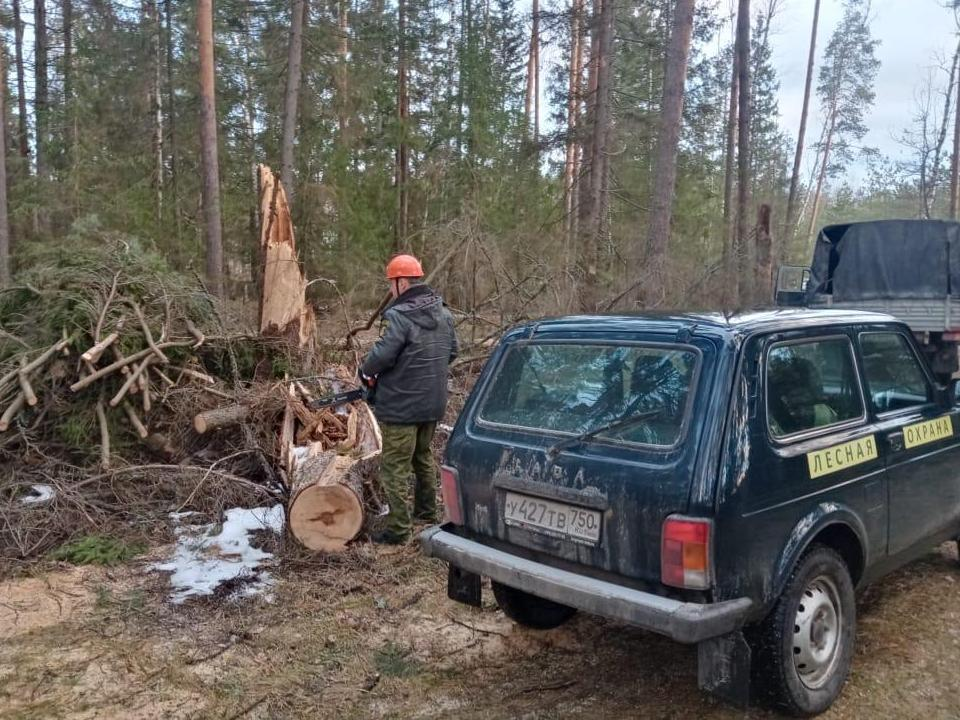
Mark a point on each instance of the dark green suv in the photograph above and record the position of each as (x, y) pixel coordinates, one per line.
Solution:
(728, 482)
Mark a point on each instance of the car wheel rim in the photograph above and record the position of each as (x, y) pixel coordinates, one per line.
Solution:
(816, 633)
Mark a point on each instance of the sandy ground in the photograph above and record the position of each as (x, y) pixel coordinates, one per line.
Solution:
(372, 635)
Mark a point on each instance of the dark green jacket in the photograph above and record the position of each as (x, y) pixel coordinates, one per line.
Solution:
(417, 344)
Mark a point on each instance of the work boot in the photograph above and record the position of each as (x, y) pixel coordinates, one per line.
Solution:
(385, 537)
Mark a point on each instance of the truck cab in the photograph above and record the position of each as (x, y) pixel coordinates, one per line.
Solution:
(726, 481)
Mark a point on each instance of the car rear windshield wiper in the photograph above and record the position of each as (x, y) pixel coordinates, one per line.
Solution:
(557, 448)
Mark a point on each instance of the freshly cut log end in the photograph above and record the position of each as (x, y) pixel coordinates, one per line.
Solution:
(220, 417)
(326, 503)
(325, 519)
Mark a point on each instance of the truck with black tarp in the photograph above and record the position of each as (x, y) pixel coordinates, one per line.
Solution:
(906, 268)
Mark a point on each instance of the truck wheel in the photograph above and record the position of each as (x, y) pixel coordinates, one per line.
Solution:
(529, 610)
(805, 646)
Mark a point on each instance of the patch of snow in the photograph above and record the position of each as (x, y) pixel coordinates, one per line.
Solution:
(204, 559)
(39, 494)
(445, 428)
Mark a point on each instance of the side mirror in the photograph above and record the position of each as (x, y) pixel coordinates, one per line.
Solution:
(792, 281)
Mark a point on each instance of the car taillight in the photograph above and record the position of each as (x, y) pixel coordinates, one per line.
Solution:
(450, 492)
(685, 553)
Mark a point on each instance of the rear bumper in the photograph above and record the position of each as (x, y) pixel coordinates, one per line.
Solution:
(682, 621)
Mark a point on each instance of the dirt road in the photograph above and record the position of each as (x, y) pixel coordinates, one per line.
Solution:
(371, 635)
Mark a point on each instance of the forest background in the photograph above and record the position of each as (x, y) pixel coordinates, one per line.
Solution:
(564, 155)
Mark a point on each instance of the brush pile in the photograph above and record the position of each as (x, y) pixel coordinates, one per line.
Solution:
(124, 397)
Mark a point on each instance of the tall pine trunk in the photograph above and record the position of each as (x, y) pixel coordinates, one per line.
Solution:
(532, 100)
(41, 100)
(155, 29)
(789, 221)
(730, 161)
(822, 176)
(172, 149)
(23, 138)
(668, 142)
(742, 247)
(67, 10)
(594, 193)
(4, 220)
(402, 160)
(291, 97)
(208, 149)
(955, 160)
(343, 51)
(573, 110)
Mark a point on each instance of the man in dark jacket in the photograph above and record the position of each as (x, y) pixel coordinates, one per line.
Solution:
(410, 362)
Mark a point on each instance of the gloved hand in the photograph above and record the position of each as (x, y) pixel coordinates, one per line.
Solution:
(366, 381)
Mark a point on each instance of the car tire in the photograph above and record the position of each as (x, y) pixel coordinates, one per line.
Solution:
(804, 648)
(529, 610)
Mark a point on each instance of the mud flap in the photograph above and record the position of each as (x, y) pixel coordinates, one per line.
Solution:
(463, 586)
(723, 668)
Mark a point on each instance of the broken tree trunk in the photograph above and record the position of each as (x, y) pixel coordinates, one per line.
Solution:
(327, 490)
(284, 311)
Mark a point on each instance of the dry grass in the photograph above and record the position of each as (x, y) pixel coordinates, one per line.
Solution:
(370, 634)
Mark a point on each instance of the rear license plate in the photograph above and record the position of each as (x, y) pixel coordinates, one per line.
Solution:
(552, 518)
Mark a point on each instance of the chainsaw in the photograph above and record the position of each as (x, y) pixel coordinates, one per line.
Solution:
(364, 392)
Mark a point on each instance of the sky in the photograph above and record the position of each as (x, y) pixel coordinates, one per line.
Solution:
(913, 34)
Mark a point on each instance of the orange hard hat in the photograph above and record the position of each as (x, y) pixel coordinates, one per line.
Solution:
(404, 266)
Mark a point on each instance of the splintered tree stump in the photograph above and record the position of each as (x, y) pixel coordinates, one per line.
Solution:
(284, 310)
(327, 503)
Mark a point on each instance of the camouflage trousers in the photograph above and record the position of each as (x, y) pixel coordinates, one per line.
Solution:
(406, 452)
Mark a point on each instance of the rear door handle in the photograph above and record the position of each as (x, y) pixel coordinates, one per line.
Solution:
(896, 441)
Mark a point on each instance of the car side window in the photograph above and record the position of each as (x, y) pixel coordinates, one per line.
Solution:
(894, 376)
(811, 385)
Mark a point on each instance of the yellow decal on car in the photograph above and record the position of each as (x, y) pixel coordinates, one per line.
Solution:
(840, 457)
(928, 432)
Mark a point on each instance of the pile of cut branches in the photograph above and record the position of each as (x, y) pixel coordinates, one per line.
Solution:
(108, 362)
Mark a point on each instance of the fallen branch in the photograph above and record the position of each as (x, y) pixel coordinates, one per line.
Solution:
(195, 331)
(131, 379)
(34, 364)
(25, 387)
(104, 436)
(135, 420)
(147, 334)
(11, 412)
(106, 307)
(119, 364)
(93, 354)
(184, 469)
(203, 377)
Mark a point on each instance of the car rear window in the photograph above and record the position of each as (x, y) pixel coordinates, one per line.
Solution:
(565, 388)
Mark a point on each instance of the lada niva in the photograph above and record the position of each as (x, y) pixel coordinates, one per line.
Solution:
(725, 481)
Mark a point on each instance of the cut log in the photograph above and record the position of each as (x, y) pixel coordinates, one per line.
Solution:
(220, 417)
(327, 505)
(284, 310)
(326, 499)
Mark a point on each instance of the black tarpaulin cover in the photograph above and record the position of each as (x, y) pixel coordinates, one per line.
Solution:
(887, 259)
